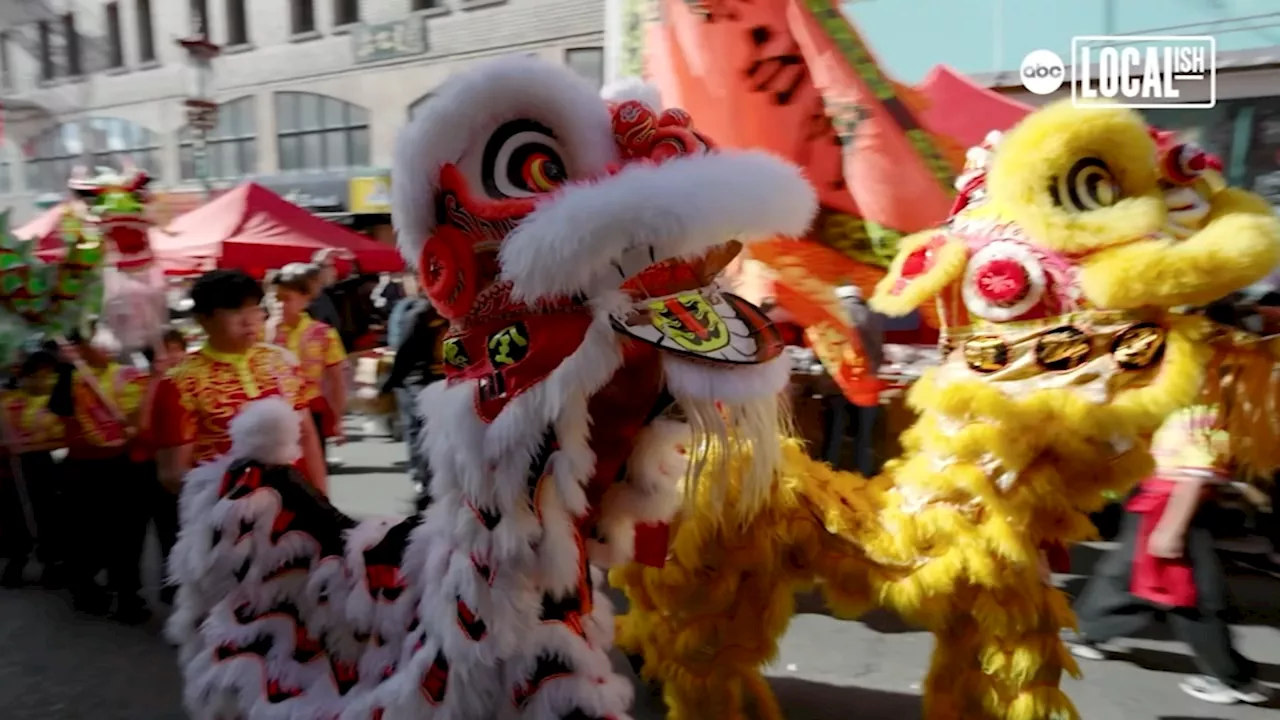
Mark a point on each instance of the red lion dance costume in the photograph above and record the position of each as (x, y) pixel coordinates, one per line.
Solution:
(573, 245)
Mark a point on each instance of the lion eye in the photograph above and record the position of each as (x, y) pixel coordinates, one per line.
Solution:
(1088, 185)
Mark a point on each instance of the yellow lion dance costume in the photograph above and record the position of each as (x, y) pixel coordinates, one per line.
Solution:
(1057, 279)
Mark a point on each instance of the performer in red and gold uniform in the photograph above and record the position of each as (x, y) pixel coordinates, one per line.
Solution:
(32, 432)
(204, 391)
(108, 486)
(164, 499)
(321, 357)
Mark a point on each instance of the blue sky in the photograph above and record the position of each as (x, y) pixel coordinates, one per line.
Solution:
(911, 36)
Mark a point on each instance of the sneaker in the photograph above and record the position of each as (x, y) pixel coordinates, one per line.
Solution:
(1213, 690)
(1083, 647)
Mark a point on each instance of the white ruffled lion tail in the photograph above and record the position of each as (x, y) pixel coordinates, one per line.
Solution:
(268, 431)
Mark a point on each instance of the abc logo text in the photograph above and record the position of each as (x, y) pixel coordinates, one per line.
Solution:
(1042, 72)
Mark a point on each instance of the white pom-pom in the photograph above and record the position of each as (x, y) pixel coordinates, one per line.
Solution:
(633, 89)
(268, 431)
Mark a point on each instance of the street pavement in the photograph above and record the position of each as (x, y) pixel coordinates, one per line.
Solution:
(56, 665)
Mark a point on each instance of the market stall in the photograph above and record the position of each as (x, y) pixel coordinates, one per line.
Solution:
(253, 229)
(958, 108)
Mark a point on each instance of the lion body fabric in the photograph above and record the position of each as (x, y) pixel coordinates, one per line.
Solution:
(1057, 280)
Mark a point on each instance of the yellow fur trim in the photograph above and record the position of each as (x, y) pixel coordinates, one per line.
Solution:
(1237, 247)
(1045, 146)
(1243, 382)
(948, 264)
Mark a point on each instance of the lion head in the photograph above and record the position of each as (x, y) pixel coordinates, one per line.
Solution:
(1075, 235)
(1116, 214)
(574, 245)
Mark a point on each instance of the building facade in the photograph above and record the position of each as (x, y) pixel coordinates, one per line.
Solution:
(311, 92)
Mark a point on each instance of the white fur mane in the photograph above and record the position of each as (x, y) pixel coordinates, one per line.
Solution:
(632, 88)
(268, 431)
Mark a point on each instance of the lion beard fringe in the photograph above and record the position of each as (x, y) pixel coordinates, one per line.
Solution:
(736, 450)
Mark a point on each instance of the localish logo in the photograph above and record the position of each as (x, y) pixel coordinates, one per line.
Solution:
(1144, 71)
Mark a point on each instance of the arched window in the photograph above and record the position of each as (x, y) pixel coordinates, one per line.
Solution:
(418, 104)
(231, 148)
(111, 142)
(316, 132)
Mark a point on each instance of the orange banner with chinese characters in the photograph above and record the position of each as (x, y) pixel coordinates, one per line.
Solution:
(795, 78)
(806, 276)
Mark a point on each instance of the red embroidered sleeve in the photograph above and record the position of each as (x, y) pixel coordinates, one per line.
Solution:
(173, 419)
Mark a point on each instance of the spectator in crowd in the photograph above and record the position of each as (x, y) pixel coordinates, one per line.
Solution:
(34, 432)
(403, 312)
(164, 508)
(322, 306)
(389, 291)
(321, 357)
(840, 411)
(1166, 564)
(418, 363)
(108, 486)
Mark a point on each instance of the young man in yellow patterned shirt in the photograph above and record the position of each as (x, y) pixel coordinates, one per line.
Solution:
(195, 403)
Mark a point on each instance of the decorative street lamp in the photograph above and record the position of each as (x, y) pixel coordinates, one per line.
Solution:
(202, 110)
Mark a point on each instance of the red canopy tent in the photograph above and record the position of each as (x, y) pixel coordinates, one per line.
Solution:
(256, 230)
(964, 111)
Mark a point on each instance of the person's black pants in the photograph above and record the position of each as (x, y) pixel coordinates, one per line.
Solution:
(413, 427)
(318, 419)
(164, 516)
(840, 414)
(42, 481)
(111, 504)
(1107, 610)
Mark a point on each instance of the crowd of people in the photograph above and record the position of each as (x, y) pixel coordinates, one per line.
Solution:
(98, 441)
